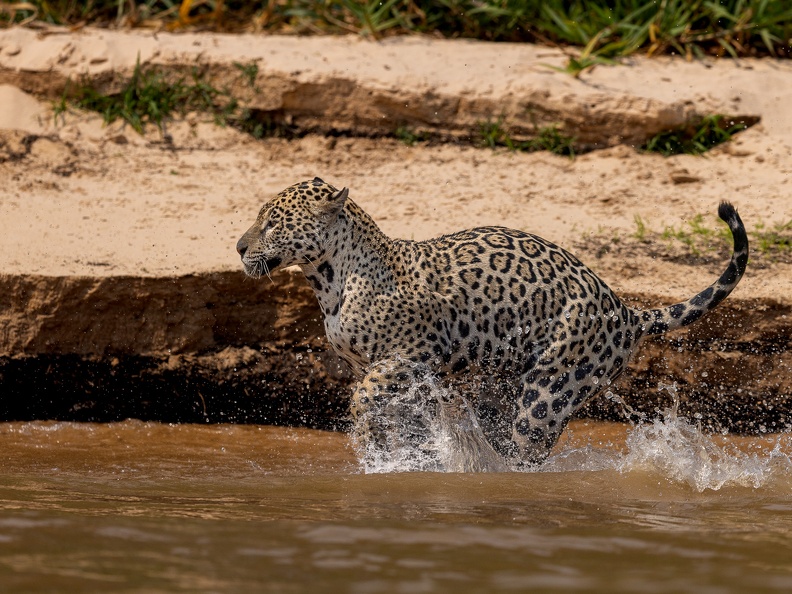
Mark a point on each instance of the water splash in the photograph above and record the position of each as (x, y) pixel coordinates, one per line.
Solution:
(429, 428)
(679, 450)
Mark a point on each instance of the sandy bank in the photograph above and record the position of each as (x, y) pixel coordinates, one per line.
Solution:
(117, 247)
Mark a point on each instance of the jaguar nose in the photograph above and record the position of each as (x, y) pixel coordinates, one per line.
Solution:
(241, 247)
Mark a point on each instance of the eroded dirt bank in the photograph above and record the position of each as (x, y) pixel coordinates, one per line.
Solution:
(219, 348)
(120, 290)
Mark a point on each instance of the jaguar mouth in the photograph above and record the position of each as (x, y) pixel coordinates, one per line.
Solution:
(259, 268)
(271, 264)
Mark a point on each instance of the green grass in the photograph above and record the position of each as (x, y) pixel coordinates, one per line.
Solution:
(702, 234)
(580, 64)
(551, 139)
(698, 236)
(640, 229)
(150, 97)
(696, 138)
(249, 72)
(702, 239)
(602, 29)
(410, 137)
(776, 239)
(492, 134)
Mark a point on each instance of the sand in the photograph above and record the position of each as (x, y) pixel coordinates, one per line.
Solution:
(104, 200)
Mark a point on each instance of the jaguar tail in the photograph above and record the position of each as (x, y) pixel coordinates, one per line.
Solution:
(681, 314)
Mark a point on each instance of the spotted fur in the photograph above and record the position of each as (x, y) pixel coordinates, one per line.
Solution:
(530, 331)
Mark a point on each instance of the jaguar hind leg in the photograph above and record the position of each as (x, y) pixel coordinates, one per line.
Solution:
(494, 398)
(563, 380)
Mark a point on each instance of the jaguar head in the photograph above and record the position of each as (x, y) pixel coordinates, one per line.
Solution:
(291, 228)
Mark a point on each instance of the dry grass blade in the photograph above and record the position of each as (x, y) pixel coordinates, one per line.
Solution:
(13, 9)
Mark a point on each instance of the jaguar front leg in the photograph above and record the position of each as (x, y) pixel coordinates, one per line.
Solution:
(393, 406)
(402, 407)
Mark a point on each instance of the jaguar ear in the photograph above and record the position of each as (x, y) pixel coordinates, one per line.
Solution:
(340, 196)
(334, 202)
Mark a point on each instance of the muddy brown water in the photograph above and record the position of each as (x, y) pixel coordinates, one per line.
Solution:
(148, 507)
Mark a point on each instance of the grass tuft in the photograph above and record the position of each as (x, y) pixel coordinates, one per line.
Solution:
(640, 229)
(776, 239)
(249, 72)
(697, 138)
(409, 136)
(698, 236)
(492, 134)
(702, 240)
(149, 97)
(702, 234)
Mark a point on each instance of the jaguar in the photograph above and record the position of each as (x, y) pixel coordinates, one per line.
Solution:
(518, 325)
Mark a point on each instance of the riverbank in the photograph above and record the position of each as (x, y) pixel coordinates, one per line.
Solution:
(122, 295)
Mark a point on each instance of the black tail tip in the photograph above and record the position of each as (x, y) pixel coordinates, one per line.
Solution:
(726, 211)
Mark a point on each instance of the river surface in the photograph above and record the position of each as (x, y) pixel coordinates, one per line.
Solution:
(146, 507)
